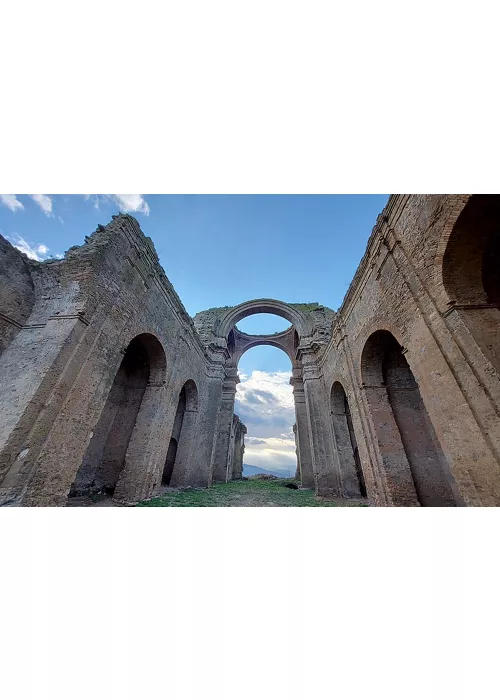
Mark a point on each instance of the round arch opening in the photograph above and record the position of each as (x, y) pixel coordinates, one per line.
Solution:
(263, 324)
(262, 306)
(265, 405)
(416, 468)
(143, 366)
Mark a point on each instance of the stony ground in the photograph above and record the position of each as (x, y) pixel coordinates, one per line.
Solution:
(250, 493)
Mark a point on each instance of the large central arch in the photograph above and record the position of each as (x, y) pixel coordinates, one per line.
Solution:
(239, 343)
(288, 341)
(263, 306)
(304, 342)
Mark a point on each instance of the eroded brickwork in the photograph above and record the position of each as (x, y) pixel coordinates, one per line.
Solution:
(108, 384)
(70, 399)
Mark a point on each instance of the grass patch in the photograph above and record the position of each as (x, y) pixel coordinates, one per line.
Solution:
(251, 493)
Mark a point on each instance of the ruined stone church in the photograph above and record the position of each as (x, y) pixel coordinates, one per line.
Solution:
(107, 383)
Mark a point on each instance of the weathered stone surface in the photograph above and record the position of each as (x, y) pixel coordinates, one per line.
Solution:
(108, 385)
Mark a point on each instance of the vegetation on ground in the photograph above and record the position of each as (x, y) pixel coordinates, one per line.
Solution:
(251, 492)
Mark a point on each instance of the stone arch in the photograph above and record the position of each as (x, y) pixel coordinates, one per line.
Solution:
(262, 306)
(309, 323)
(351, 472)
(470, 273)
(143, 366)
(415, 466)
(241, 342)
(177, 461)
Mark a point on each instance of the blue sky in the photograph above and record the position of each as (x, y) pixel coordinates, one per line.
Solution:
(221, 250)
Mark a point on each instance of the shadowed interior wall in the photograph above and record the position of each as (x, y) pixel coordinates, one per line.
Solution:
(174, 440)
(353, 483)
(471, 272)
(105, 455)
(413, 454)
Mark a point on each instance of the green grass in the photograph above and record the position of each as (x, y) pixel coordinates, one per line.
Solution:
(250, 493)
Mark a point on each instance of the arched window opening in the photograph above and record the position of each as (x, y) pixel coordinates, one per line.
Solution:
(230, 341)
(414, 462)
(353, 482)
(104, 459)
(265, 405)
(181, 440)
(471, 272)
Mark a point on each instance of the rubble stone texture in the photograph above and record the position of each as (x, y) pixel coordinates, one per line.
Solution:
(107, 384)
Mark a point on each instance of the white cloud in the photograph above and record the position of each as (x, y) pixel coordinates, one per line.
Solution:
(125, 202)
(264, 402)
(132, 202)
(44, 202)
(11, 201)
(32, 250)
(276, 384)
(271, 453)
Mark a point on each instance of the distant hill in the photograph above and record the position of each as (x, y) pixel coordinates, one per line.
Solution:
(250, 470)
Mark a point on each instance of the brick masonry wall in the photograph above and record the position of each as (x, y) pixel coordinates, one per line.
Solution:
(16, 292)
(70, 323)
(399, 288)
(58, 371)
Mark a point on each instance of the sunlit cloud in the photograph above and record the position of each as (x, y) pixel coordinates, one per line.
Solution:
(44, 202)
(35, 251)
(125, 202)
(11, 201)
(264, 402)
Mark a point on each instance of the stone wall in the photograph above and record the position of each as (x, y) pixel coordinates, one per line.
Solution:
(57, 372)
(107, 383)
(17, 293)
(238, 448)
(399, 290)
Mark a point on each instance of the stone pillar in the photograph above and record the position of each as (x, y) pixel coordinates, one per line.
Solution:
(363, 428)
(224, 426)
(324, 457)
(231, 449)
(239, 449)
(297, 451)
(303, 435)
(206, 437)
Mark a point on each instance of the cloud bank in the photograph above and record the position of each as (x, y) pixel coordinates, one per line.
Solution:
(11, 201)
(125, 202)
(35, 251)
(264, 402)
(44, 202)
